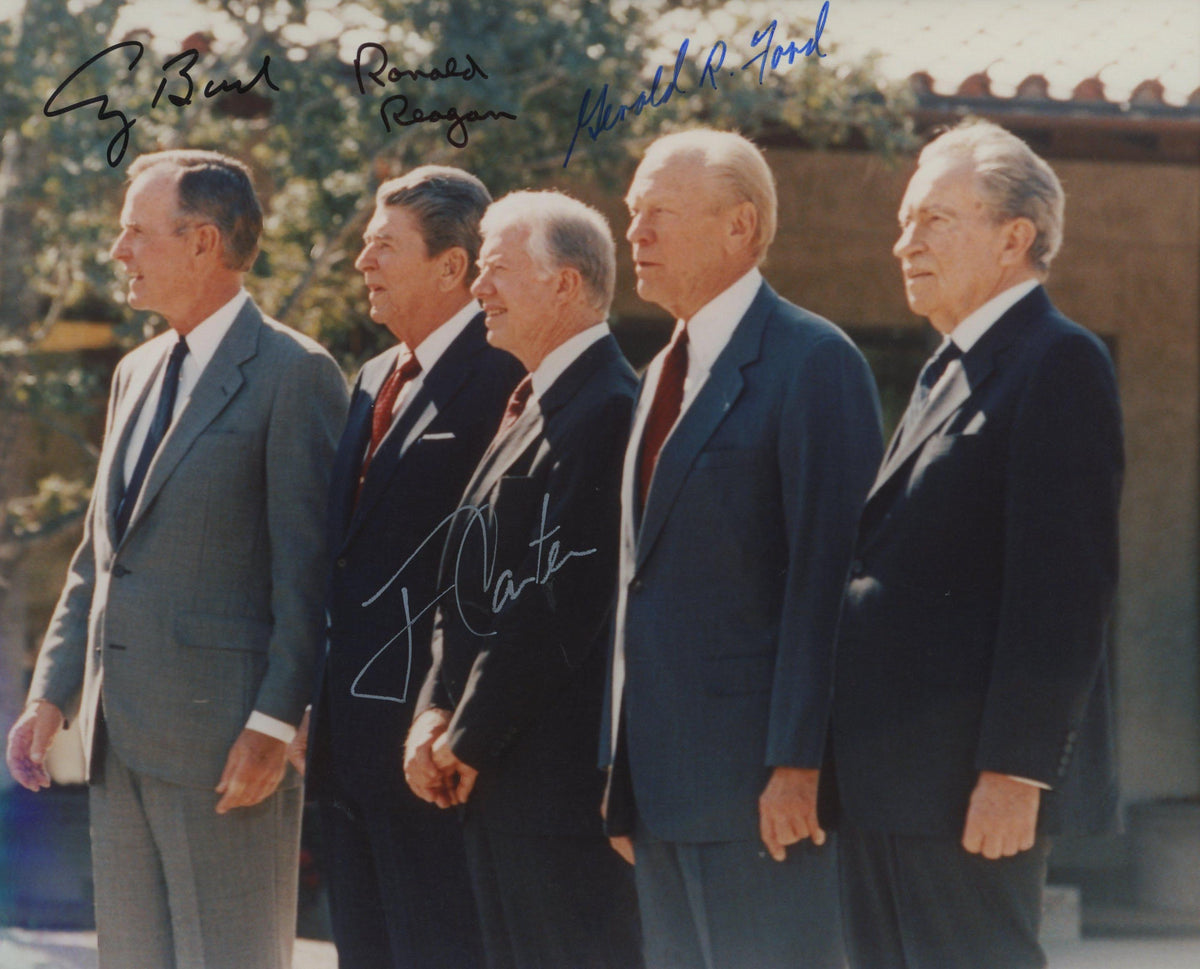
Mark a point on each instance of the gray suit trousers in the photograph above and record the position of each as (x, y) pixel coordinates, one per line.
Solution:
(179, 886)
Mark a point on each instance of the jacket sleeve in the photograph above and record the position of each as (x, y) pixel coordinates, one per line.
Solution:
(1064, 471)
(306, 418)
(829, 450)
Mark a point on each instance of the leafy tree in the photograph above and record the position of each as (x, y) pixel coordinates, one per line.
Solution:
(320, 142)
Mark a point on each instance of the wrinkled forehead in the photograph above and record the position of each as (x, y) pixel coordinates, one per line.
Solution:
(942, 181)
(678, 172)
(154, 194)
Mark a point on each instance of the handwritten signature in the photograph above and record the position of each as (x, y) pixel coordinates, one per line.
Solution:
(371, 65)
(599, 116)
(175, 70)
(503, 587)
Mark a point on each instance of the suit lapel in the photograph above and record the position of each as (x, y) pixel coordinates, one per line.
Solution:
(965, 378)
(218, 384)
(716, 398)
(112, 475)
(438, 389)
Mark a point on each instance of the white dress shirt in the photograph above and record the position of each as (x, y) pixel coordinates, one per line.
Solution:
(562, 356)
(709, 331)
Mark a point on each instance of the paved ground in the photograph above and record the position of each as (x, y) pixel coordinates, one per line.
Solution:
(21, 949)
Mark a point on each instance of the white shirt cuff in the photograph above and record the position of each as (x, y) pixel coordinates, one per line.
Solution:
(271, 727)
(1026, 780)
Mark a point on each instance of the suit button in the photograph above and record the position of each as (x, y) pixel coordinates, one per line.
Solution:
(637, 585)
(341, 563)
(119, 571)
(857, 568)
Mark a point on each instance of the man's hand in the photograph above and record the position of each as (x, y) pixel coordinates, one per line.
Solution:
(458, 777)
(253, 770)
(1002, 816)
(297, 750)
(421, 773)
(29, 740)
(787, 810)
(622, 844)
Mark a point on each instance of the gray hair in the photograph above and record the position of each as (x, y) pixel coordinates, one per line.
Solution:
(447, 204)
(739, 168)
(218, 189)
(562, 232)
(1013, 181)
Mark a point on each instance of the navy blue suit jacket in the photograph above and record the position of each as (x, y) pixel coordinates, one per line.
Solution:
(520, 648)
(731, 581)
(973, 631)
(378, 654)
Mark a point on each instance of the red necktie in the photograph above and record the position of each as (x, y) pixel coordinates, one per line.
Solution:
(664, 410)
(406, 368)
(516, 403)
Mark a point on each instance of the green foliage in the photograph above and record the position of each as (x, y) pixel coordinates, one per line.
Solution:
(319, 146)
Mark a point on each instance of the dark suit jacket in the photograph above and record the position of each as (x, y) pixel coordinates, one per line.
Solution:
(973, 631)
(209, 606)
(378, 654)
(519, 649)
(730, 588)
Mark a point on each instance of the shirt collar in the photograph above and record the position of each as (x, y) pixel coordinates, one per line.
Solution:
(565, 354)
(713, 324)
(206, 336)
(430, 350)
(976, 324)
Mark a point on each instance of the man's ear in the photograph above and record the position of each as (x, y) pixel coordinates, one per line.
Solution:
(740, 227)
(453, 265)
(207, 242)
(1018, 238)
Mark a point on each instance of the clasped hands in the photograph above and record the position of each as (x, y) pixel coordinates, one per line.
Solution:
(430, 767)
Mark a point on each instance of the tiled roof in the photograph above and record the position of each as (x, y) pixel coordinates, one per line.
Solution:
(1086, 52)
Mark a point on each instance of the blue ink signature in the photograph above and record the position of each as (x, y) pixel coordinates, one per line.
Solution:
(599, 116)
(396, 109)
(181, 64)
(503, 588)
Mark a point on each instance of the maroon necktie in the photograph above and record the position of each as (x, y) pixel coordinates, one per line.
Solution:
(664, 410)
(406, 368)
(516, 403)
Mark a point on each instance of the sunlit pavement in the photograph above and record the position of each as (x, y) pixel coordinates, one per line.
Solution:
(24, 949)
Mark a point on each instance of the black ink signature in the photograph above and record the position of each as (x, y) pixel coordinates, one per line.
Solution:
(504, 588)
(456, 133)
(595, 118)
(397, 110)
(181, 64)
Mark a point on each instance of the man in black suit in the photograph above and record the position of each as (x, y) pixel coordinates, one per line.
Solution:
(511, 707)
(420, 417)
(970, 713)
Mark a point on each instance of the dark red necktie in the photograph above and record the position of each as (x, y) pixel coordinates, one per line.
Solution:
(407, 367)
(516, 403)
(664, 410)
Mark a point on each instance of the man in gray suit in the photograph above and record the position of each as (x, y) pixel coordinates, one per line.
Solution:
(755, 437)
(190, 620)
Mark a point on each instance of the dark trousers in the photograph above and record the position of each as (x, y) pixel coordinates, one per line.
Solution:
(927, 903)
(399, 892)
(553, 902)
(729, 905)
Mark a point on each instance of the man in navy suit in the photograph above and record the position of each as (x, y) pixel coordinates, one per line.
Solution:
(420, 416)
(755, 439)
(511, 706)
(970, 705)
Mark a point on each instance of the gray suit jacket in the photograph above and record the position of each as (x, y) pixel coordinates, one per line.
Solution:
(210, 605)
(731, 582)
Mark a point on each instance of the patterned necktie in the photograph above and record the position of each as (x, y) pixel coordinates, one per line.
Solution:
(664, 409)
(516, 403)
(930, 374)
(154, 436)
(407, 367)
